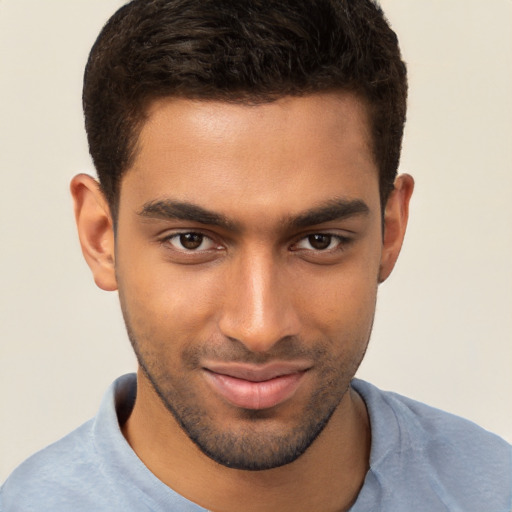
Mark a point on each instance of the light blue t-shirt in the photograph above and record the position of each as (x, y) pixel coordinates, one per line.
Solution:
(422, 460)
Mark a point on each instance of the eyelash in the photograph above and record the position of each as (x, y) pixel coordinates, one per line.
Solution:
(342, 242)
(178, 236)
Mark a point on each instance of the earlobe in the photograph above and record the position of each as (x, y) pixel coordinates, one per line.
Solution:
(95, 230)
(396, 214)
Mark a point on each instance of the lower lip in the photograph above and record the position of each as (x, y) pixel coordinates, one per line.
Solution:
(255, 395)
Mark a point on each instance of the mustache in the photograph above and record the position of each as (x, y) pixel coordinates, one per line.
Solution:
(231, 350)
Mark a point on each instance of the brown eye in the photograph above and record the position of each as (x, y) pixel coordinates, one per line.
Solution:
(319, 241)
(191, 240)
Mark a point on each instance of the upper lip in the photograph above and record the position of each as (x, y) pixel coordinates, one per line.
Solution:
(255, 372)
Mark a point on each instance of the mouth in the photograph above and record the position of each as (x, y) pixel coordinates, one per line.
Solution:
(255, 387)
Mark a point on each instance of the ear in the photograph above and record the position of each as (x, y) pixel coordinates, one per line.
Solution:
(396, 215)
(95, 230)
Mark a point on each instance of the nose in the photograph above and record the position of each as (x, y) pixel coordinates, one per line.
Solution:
(258, 301)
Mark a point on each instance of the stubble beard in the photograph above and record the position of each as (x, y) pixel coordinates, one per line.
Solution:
(249, 445)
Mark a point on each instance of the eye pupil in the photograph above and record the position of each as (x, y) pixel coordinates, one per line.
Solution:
(191, 240)
(320, 241)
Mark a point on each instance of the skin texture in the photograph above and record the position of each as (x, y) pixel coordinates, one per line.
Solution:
(250, 237)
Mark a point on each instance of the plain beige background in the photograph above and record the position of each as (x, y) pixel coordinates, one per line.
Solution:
(443, 332)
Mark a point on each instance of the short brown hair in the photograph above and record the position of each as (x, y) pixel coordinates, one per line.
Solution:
(240, 51)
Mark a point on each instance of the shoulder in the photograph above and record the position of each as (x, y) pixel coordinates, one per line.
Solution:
(47, 476)
(433, 425)
(435, 452)
(80, 472)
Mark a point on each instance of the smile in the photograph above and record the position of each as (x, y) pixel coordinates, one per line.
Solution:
(255, 388)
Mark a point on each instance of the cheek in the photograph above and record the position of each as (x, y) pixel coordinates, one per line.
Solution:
(346, 314)
(165, 302)
(342, 296)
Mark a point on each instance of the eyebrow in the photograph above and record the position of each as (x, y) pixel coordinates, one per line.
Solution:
(168, 209)
(334, 209)
(331, 210)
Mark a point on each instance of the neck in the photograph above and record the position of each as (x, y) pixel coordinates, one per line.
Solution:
(327, 477)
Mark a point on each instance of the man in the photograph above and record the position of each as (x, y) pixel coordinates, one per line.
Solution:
(247, 210)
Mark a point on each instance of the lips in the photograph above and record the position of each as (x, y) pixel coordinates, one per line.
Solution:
(255, 387)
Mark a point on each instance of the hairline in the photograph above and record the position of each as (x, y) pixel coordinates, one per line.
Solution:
(243, 98)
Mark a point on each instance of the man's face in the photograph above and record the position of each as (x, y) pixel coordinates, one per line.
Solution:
(248, 248)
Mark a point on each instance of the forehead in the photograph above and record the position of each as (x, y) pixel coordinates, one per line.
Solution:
(277, 154)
